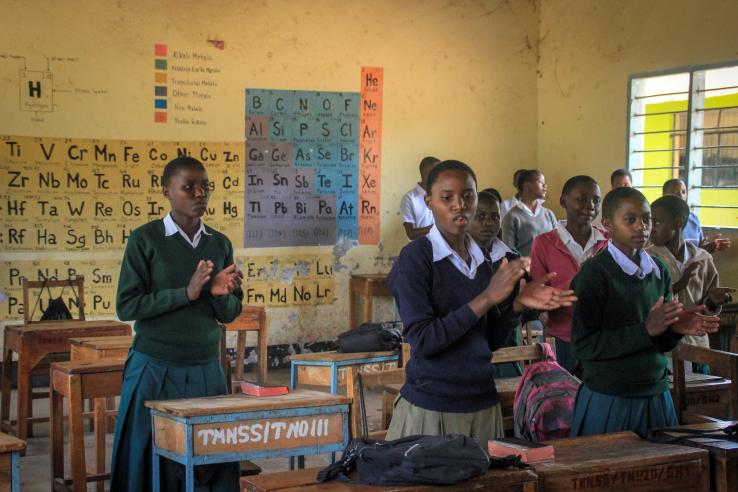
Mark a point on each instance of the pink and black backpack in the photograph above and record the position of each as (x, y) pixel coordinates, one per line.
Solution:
(544, 400)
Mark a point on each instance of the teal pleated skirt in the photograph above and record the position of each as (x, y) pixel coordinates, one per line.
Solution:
(144, 379)
(597, 413)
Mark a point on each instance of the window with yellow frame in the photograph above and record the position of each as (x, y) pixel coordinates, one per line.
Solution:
(684, 124)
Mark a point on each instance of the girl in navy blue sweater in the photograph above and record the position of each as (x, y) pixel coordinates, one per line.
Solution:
(456, 309)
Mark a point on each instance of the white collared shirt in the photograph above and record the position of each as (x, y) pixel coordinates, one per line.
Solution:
(577, 252)
(498, 250)
(506, 205)
(646, 266)
(414, 210)
(442, 250)
(522, 206)
(171, 227)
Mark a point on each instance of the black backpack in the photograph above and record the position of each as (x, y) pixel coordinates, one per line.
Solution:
(371, 337)
(442, 460)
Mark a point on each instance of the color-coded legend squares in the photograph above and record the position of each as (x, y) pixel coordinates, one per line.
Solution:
(160, 83)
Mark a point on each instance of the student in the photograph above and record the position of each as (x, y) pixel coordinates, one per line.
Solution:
(563, 251)
(621, 178)
(451, 303)
(177, 281)
(697, 276)
(484, 229)
(506, 205)
(416, 218)
(624, 321)
(693, 229)
(528, 218)
(493, 192)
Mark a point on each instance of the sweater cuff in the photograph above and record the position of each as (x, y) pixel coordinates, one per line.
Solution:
(466, 316)
(185, 300)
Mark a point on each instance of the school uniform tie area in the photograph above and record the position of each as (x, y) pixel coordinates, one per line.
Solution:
(393, 246)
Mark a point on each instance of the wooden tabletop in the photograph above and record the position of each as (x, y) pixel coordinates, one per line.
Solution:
(88, 366)
(607, 450)
(50, 327)
(695, 382)
(110, 342)
(371, 277)
(10, 443)
(340, 356)
(720, 447)
(238, 403)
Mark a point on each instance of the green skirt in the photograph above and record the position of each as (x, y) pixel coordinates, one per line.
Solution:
(146, 378)
(411, 420)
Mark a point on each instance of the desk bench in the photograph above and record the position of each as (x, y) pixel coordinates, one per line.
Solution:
(228, 428)
(329, 368)
(79, 381)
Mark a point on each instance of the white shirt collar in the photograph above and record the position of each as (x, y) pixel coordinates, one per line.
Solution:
(420, 190)
(580, 254)
(171, 228)
(498, 250)
(441, 250)
(522, 206)
(646, 266)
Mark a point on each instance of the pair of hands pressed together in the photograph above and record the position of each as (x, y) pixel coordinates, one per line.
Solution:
(532, 295)
(672, 315)
(225, 282)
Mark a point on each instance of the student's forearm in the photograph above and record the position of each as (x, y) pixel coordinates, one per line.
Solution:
(416, 232)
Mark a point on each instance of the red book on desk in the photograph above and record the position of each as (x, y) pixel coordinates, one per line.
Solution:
(529, 452)
(254, 389)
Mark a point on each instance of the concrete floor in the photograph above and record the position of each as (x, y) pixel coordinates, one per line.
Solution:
(35, 466)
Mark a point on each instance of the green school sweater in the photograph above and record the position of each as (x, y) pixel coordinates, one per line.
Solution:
(153, 279)
(609, 336)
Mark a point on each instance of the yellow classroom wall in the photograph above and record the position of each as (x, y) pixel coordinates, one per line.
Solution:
(588, 50)
(459, 82)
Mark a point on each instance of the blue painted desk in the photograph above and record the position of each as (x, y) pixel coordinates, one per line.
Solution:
(198, 431)
(10, 449)
(329, 368)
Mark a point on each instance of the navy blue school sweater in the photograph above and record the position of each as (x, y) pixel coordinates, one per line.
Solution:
(450, 368)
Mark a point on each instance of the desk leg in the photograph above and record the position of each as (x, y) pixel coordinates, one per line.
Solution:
(263, 362)
(293, 376)
(6, 382)
(155, 479)
(24, 396)
(352, 310)
(368, 307)
(15, 471)
(100, 430)
(334, 379)
(189, 477)
(77, 434)
(56, 435)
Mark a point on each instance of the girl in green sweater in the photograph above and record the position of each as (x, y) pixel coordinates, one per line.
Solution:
(624, 321)
(177, 281)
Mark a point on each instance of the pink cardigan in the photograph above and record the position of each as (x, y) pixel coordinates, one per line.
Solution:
(550, 254)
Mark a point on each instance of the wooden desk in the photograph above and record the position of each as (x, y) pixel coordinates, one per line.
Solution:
(10, 449)
(236, 427)
(33, 342)
(706, 395)
(622, 461)
(306, 480)
(369, 285)
(78, 381)
(93, 348)
(329, 368)
(723, 454)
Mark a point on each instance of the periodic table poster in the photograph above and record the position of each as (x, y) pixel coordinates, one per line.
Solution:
(302, 160)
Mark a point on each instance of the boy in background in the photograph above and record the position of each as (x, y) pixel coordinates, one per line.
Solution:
(417, 219)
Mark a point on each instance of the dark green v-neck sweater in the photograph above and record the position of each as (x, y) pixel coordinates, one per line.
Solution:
(151, 290)
(609, 336)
